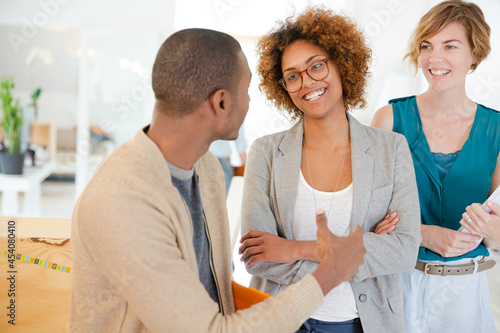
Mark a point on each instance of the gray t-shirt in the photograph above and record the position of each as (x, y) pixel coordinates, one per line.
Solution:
(186, 182)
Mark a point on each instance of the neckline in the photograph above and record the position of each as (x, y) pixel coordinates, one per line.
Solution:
(423, 138)
(323, 193)
(421, 126)
(443, 155)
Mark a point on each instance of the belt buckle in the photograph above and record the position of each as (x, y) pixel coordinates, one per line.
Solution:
(430, 264)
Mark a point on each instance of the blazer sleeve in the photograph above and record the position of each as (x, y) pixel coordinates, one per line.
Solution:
(396, 251)
(259, 212)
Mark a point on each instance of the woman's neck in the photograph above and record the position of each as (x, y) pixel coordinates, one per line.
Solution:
(446, 104)
(327, 133)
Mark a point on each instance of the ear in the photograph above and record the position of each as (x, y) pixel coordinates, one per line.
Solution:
(474, 60)
(218, 101)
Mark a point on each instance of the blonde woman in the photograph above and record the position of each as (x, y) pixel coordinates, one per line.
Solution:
(455, 145)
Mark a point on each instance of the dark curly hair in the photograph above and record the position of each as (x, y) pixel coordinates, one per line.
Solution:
(338, 35)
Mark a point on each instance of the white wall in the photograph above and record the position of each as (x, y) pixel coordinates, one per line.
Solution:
(58, 81)
(115, 14)
(387, 24)
(86, 84)
(57, 25)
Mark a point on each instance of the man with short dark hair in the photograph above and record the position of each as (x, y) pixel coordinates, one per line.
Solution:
(151, 249)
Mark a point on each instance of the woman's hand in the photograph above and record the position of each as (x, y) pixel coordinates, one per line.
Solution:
(483, 223)
(385, 226)
(257, 246)
(447, 242)
(388, 224)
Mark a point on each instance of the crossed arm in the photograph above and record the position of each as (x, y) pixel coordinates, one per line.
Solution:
(451, 243)
(270, 254)
(257, 246)
(447, 242)
(485, 224)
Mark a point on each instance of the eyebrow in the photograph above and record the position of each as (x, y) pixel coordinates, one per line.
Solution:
(445, 42)
(305, 62)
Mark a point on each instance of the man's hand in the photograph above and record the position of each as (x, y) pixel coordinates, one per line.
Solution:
(340, 257)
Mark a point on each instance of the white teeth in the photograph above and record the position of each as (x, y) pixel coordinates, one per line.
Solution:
(439, 72)
(314, 95)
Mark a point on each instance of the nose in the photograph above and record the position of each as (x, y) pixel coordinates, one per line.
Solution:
(436, 55)
(306, 80)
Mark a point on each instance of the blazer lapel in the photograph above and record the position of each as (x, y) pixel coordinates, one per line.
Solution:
(286, 175)
(362, 171)
(287, 168)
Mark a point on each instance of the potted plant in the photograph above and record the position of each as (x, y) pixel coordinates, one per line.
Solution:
(11, 159)
(34, 100)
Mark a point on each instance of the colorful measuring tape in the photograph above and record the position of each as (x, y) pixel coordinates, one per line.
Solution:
(36, 261)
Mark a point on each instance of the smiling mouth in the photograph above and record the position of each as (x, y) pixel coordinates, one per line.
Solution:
(440, 72)
(314, 95)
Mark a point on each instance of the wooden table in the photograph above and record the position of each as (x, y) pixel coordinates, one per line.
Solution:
(29, 183)
(41, 295)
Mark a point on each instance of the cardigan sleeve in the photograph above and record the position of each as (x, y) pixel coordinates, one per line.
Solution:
(259, 212)
(131, 241)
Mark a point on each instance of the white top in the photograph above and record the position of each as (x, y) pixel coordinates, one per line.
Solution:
(339, 304)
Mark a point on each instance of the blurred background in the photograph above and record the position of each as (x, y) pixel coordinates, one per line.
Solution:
(93, 59)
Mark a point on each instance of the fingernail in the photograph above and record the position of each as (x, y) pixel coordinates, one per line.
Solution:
(489, 204)
(320, 211)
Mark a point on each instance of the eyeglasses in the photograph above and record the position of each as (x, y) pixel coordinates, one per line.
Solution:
(317, 71)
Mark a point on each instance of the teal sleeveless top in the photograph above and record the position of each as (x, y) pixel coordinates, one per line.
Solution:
(468, 180)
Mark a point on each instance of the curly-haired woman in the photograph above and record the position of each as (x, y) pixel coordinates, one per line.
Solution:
(455, 144)
(315, 67)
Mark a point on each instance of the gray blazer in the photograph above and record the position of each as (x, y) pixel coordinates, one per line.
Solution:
(384, 182)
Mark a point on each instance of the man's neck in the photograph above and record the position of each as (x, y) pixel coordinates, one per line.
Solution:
(182, 140)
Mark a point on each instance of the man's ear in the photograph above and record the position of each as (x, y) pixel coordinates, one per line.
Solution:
(218, 101)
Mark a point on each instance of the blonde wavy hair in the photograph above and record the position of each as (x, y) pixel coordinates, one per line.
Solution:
(466, 13)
